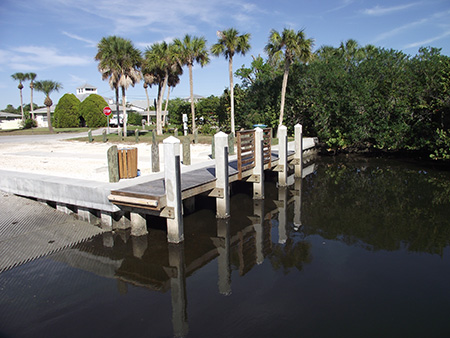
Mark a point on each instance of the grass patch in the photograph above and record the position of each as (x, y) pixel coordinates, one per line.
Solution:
(145, 136)
(42, 131)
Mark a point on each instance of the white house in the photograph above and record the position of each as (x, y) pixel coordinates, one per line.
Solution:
(10, 120)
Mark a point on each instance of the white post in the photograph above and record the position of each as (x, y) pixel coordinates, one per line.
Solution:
(222, 178)
(172, 178)
(298, 204)
(282, 153)
(298, 157)
(258, 187)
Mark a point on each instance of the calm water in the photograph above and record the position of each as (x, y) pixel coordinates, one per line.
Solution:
(358, 248)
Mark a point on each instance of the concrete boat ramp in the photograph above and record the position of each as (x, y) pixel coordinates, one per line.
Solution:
(125, 204)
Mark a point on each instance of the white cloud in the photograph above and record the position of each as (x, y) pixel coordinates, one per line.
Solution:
(378, 10)
(428, 41)
(90, 43)
(26, 58)
(398, 30)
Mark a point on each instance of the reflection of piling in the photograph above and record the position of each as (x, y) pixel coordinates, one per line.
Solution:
(282, 214)
(258, 225)
(223, 261)
(298, 203)
(178, 290)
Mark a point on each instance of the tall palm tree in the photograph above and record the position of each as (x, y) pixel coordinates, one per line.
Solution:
(31, 77)
(47, 87)
(192, 49)
(161, 59)
(296, 47)
(230, 43)
(120, 62)
(20, 77)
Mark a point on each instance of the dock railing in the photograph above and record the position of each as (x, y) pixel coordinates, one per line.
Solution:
(246, 149)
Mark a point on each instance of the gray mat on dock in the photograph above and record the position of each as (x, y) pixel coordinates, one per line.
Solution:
(29, 230)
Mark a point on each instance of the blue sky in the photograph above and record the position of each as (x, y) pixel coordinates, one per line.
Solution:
(57, 39)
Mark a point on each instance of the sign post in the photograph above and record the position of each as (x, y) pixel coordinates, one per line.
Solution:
(107, 112)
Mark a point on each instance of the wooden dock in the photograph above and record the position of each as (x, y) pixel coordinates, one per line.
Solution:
(167, 197)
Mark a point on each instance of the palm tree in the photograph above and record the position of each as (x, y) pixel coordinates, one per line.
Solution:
(119, 61)
(230, 43)
(192, 49)
(296, 47)
(20, 77)
(161, 59)
(47, 87)
(31, 77)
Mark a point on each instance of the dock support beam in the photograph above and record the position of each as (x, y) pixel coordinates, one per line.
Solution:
(258, 187)
(172, 179)
(222, 178)
(138, 224)
(298, 157)
(282, 148)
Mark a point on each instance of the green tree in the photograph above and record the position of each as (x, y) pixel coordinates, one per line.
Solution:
(21, 77)
(91, 109)
(67, 112)
(296, 47)
(47, 87)
(31, 77)
(191, 50)
(230, 43)
(120, 62)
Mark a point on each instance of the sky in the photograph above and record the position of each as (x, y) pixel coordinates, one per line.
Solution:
(57, 39)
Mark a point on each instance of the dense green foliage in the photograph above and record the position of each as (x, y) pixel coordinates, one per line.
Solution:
(67, 112)
(358, 97)
(91, 110)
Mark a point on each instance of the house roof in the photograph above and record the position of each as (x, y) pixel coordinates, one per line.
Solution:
(86, 85)
(6, 115)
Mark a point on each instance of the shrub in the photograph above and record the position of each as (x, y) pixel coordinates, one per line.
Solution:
(29, 123)
(91, 110)
(67, 112)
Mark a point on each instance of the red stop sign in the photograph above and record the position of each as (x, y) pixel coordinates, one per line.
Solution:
(107, 111)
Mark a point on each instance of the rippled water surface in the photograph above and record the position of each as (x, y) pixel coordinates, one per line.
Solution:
(357, 248)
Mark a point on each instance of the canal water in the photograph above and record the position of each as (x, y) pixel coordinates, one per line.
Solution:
(357, 248)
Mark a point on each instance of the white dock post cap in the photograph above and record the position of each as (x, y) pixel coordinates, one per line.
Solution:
(221, 134)
(298, 125)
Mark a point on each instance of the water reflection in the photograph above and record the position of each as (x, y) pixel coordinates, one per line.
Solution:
(269, 254)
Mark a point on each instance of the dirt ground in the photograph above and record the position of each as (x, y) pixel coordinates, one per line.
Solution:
(81, 160)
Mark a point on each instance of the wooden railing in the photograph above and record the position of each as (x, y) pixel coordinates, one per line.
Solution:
(246, 149)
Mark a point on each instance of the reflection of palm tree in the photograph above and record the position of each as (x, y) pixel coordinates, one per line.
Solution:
(230, 43)
(47, 87)
(192, 49)
(20, 77)
(290, 255)
(295, 46)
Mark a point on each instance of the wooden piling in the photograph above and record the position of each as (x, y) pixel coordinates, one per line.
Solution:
(172, 178)
(113, 164)
(222, 177)
(282, 167)
(155, 153)
(258, 170)
(298, 157)
(186, 151)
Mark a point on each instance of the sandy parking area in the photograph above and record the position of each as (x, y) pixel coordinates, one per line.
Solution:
(81, 160)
